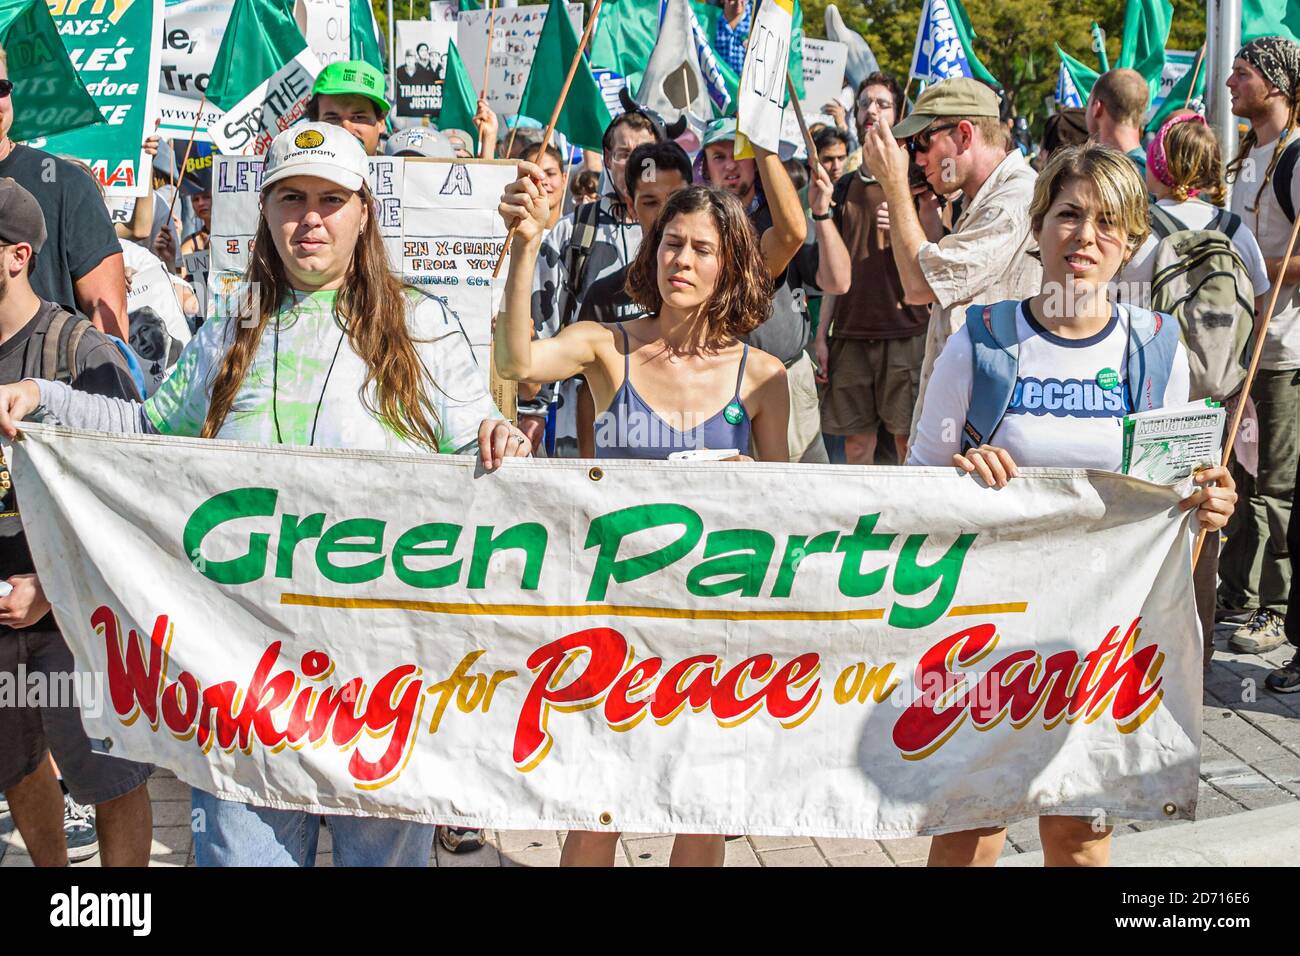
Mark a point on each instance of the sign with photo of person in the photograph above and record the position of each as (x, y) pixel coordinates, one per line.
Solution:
(421, 63)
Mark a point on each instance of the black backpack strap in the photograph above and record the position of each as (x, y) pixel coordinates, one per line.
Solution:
(586, 220)
(1163, 224)
(1283, 173)
(1226, 222)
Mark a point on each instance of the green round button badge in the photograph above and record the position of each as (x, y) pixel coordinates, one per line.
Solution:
(734, 413)
(1107, 378)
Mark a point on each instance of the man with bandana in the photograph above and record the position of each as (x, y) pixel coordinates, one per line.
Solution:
(1255, 569)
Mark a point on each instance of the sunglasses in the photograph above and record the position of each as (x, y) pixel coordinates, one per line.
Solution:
(920, 143)
(6, 87)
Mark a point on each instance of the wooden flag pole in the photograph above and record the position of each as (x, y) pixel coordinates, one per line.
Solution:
(1260, 334)
(1191, 90)
(487, 58)
(905, 90)
(803, 124)
(555, 118)
(180, 174)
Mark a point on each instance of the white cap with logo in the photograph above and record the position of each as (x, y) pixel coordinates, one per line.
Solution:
(421, 141)
(316, 149)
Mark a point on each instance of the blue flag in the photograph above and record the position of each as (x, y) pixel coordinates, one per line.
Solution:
(1067, 94)
(943, 45)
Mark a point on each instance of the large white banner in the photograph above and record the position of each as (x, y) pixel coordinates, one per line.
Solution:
(439, 220)
(515, 32)
(704, 647)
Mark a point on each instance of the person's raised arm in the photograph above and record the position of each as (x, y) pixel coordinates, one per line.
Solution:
(834, 268)
(887, 162)
(789, 228)
(520, 357)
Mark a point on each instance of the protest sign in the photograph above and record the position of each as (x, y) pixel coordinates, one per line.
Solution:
(515, 32)
(421, 67)
(768, 649)
(261, 79)
(443, 11)
(1177, 63)
(763, 79)
(117, 51)
(327, 25)
(192, 32)
(823, 81)
(452, 236)
(158, 330)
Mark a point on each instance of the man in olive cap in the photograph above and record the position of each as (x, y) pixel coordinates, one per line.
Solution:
(350, 93)
(957, 138)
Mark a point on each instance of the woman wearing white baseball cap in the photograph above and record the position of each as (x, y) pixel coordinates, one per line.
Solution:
(325, 347)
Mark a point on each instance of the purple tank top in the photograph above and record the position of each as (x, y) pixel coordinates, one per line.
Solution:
(629, 428)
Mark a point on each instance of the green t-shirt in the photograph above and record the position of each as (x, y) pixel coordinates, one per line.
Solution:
(315, 393)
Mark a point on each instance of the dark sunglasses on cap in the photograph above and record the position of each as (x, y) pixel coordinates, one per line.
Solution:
(920, 143)
(6, 87)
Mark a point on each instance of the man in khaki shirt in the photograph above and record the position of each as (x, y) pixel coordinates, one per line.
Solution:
(957, 139)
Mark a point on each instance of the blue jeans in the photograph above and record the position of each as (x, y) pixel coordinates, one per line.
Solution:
(229, 833)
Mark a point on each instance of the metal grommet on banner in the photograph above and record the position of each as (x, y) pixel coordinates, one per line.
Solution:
(108, 744)
(606, 818)
(595, 474)
(1170, 809)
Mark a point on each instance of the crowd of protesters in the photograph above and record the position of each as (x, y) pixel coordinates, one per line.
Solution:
(663, 296)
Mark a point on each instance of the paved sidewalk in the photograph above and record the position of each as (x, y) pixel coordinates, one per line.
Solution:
(1250, 760)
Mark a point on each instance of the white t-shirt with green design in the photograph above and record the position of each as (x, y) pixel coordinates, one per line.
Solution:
(305, 390)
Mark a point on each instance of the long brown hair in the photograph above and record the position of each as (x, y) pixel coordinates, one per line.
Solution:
(742, 295)
(371, 304)
(1250, 140)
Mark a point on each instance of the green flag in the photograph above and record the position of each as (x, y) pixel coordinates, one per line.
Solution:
(261, 78)
(1178, 96)
(1262, 18)
(365, 35)
(1082, 74)
(469, 5)
(48, 95)
(1146, 29)
(966, 33)
(458, 102)
(584, 116)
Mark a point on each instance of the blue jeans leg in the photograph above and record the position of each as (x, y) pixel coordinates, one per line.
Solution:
(380, 841)
(230, 833)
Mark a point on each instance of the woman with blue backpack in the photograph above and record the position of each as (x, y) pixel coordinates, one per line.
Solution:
(1083, 361)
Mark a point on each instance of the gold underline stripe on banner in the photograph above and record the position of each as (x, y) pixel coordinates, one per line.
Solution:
(616, 610)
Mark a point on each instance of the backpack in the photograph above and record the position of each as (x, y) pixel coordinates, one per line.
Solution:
(576, 253)
(59, 350)
(1152, 344)
(1201, 280)
(1283, 173)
